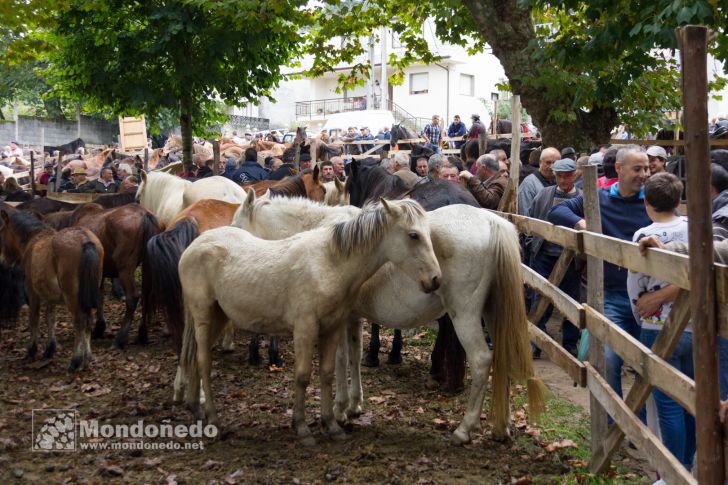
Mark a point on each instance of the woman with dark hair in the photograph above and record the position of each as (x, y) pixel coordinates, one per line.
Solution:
(610, 176)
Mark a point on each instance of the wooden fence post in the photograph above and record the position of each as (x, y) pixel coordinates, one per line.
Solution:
(32, 173)
(693, 42)
(215, 157)
(595, 299)
(59, 170)
(515, 169)
(146, 159)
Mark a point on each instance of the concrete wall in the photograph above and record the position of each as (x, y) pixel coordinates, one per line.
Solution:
(91, 130)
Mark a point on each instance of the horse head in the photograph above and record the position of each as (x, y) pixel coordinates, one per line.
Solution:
(315, 189)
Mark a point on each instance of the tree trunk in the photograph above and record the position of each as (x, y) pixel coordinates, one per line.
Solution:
(185, 122)
(53, 108)
(2, 115)
(508, 28)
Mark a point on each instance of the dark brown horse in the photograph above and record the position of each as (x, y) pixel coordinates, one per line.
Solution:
(60, 267)
(124, 232)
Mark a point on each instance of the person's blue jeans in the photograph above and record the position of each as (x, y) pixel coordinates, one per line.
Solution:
(723, 367)
(543, 264)
(434, 148)
(676, 424)
(618, 309)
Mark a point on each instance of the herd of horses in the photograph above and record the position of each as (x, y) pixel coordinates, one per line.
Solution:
(216, 256)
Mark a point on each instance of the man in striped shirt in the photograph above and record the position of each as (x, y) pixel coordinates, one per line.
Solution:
(433, 134)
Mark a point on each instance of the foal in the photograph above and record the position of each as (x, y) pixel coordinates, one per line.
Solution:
(63, 266)
(228, 274)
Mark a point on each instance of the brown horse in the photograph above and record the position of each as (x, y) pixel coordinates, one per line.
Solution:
(307, 184)
(60, 267)
(123, 232)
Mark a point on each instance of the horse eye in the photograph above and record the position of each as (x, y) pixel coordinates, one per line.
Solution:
(414, 235)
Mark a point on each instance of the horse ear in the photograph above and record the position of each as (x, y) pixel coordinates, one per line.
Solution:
(250, 197)
(388, 208)
(316, 174)
(339, 186)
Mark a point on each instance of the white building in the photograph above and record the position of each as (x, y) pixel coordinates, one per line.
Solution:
(457, 84)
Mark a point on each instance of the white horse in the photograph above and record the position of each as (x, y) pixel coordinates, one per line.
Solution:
(166, 195)
(335, 193)
(479, 257)
(228, 274)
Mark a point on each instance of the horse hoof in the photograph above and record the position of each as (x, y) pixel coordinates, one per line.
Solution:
(502, 436)
(119, 343)
(307, 441)
(431, 383)
(370, 361)
(255, 362)
(76, 364)
(353, 413)
(394, 359)
(277, 362)
(99, 330)
(50, 350)
(460, 437)
(143, 338)
(339, 436)
(32, 352)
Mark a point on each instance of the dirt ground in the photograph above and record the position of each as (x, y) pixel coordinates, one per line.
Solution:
(403, 436)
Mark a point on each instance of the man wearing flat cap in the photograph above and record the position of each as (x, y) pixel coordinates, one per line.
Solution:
(80, 182)
(543, 254)
(657, 158)
(568, 152)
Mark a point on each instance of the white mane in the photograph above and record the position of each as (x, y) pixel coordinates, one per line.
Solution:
(161, 194)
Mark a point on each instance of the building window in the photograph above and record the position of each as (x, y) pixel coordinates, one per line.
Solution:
(467, 85)
(419, 83)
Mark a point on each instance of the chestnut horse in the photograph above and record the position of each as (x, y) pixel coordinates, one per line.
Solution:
(123, 232)
(307, 184)
(59, 266)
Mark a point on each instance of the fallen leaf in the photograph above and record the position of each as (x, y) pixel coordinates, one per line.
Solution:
(558, 445)
(111, 471)
(152, 462)
(377, 399)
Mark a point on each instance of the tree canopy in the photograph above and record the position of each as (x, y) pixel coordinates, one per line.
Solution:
(580, 67)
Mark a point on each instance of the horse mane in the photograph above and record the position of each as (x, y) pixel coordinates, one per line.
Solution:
(362, 233)
(27, 225)
(378, 183)
(291, 186)
(116, 200)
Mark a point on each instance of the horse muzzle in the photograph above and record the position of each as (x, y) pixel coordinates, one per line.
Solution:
(432, 285)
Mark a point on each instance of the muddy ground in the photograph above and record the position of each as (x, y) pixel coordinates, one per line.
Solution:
(403, 437)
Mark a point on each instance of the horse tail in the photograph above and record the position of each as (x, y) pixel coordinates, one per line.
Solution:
(163, 254)
(506, 312)
(89, 277)
(12, 293)
(149, 228)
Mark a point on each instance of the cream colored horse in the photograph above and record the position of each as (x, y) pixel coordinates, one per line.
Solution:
(228, 274)
(165, 195)
(479, 257)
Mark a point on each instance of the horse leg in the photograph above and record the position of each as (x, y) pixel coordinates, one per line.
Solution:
(100, 327)
(33, 317)
(130, 299)
(253, 351)
(51, 324)
(228, 338)
(274, 357)
(327, 356)
(372, 357)
(470, 334)
(80, 341)
(207, 331)
(395, 355)
(454, 359)
(437, 358)
(355, 348)
(303, 344)
(341, 400)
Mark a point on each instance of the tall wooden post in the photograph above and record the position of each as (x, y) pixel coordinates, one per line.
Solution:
(515, 168)
(595, 299)
(693, 44)
(215, 157)
(146, 159)
(482, 142)
(32, 173)
(59, 169)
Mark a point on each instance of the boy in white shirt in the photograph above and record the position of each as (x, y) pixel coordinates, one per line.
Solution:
(651, 303)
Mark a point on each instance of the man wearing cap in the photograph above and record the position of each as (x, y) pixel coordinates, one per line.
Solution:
(533, 184)
(568, 152)
(623, 212)
(488, 185)
(80, 183)
(543, 254)
(657, 157)
(365, 136)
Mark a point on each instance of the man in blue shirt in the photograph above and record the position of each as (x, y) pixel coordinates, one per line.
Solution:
(365, 135)
(623, 213)
(456, 128)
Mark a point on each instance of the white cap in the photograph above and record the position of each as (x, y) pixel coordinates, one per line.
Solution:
(657, 151)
